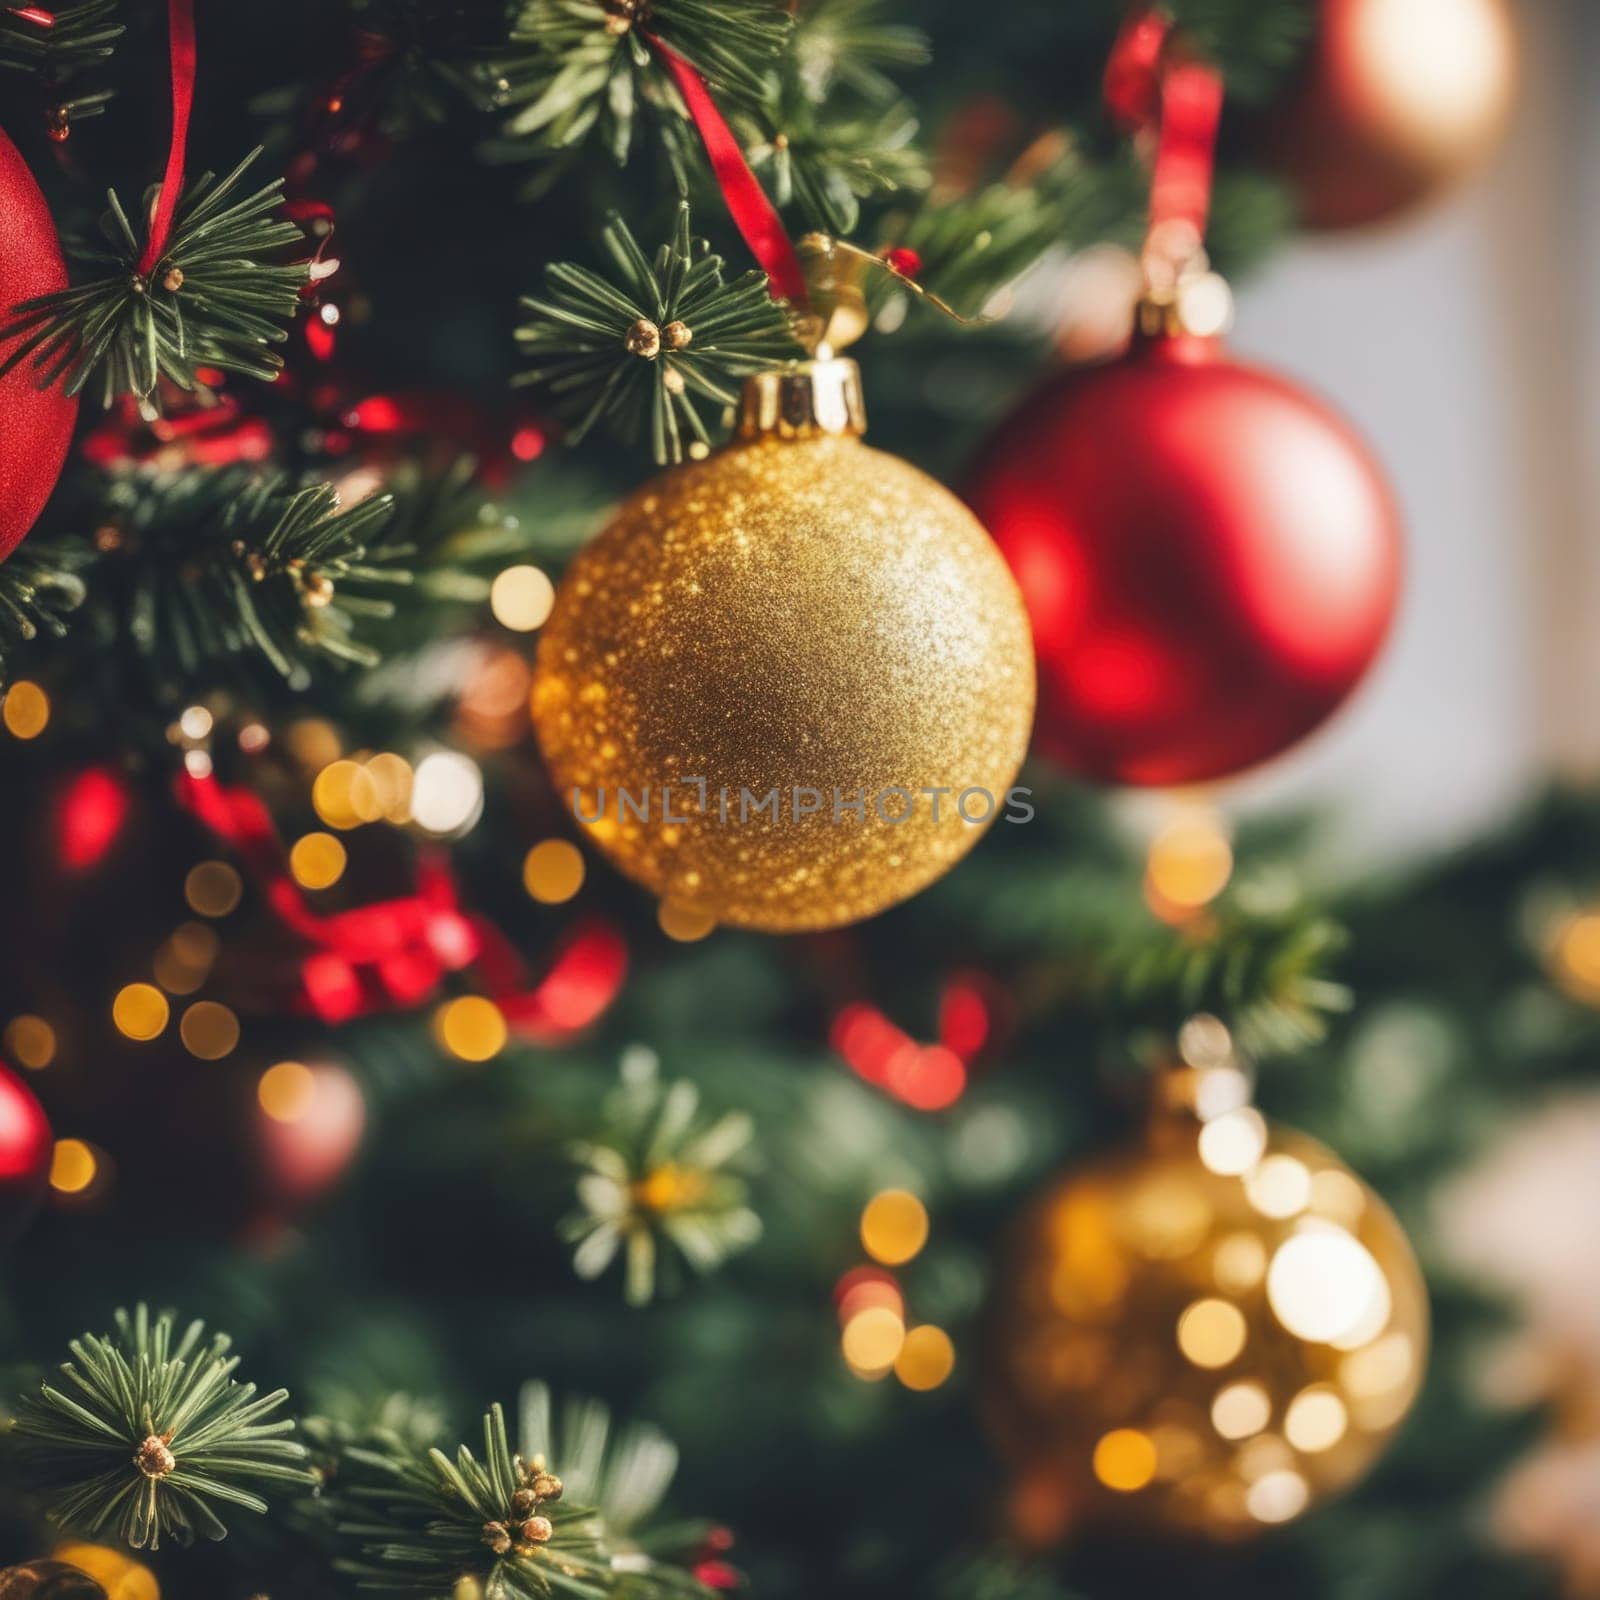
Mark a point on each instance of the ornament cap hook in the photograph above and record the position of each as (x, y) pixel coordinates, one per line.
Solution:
(804, 400)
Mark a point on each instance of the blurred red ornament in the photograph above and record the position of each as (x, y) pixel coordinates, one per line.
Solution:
(309, 1131)
(35, 424)
(26, 1148)
(1210, 558)
(1399, 99)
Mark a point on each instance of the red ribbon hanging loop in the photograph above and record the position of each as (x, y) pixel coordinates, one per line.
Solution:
(753, 213)
(180, 23)
(1151, 87)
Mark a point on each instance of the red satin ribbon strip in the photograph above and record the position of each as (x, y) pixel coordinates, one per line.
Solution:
(1149, 87)
(753, 213)
(180, 23)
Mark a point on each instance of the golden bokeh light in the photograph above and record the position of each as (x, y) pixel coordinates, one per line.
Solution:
(1324, 1285)
(872, 1340)
(1277, 1496)
(1211, 1333)
(119, 1575)
(553, 871)
(72, 1166)
(1125, 1459)
(926, 1358)
(1240, 1410)
(1316, 1419)
(1279, 1186)
(317, 861)
(345, 795)
(313, 743)
(1230, 1145)
(209, 1030)
(140, 1011)
(287, 1091)
(25, 710)
(184, 962)
(446, 793)
(212, 889)
(471, 1028)
(1575, 956)
(683, 924)
(30, 1041)
(1190, 862)
(894, 1227)
(521, 599)
(392, 778)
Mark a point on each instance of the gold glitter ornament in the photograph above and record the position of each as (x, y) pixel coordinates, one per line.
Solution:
(1206, 1333)
(756, 677)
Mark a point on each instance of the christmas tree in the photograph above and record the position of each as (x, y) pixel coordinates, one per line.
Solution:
(511, 1084)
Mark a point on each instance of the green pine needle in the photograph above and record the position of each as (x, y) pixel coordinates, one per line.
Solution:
(82, 35)
(847, 42)
(649, 349)
(150, 1435)
(37, 593)
(213, 299)
(578, 69)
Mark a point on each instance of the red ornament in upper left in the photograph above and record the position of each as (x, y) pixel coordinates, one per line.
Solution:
(35, 424)
(26, 1149)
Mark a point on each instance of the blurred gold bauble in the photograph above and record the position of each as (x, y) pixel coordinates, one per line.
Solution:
(48, 1580)
(1204, 1334)
(1399, 99)
(800, 614)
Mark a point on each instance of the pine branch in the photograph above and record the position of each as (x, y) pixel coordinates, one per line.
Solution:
(578, 70)
(213, 299)
(649, 348)
(38, 591)
(825, 163)
(151, 1434)
(428, 1523)
(660, 1186)
(847, 42)
(77, 37)
(207, 569)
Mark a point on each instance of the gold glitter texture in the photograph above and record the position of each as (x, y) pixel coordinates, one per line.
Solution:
(803, 615)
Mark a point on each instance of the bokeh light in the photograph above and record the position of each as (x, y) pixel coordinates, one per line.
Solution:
(73, 1166)
(212, 889)
(872, 1340)
(1211, 1332)
(209, 1030)
(30, 1041)
(317, 861)
(286, 1091)
(926, 1359)
(184, 961)
(345, 795)
(25, 710)
(552, 871)
(521, 599)
(683, 924)
(1125, 1459)
(894, 1227)
(471, 1028)
(446, 793)
(1189, 863)
(140, 1011)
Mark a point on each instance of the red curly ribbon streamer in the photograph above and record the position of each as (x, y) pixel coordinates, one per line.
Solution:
(753, 213)
(395, 953)
(180, 23)
(1149, 87)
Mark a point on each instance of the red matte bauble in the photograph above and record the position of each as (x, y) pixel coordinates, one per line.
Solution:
(1398, 99)
(1210, 559)
(26, 1148)
(35, 423)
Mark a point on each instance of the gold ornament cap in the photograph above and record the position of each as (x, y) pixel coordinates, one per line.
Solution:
(804, 400)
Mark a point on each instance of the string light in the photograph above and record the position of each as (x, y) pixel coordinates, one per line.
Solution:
(894, 1227)
(317, 861)
(286, 1091)
(195, 723)
(552, 871)
(25, 710)
(521, 599)
(140, 1011)
(72, 1166)
(471, 1028)
(213, 889)
(209, 1030)
(446, 793)
(31, 1042)
(926, 1359)
(682, 924)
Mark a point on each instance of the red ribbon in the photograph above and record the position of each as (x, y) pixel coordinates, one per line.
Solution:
(753, 213)
(1150, 87)
(394, 954)
(180, 22)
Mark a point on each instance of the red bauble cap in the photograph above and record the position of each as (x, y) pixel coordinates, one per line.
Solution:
(1210, 559)
(26, 1147)
(35, 424)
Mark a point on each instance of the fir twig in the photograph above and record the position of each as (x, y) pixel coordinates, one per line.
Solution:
(213, 299)
(848, 42)
(660, 1185)
(37, 593)
(151, 1433)
(646, 350)
(76, 37)
(579, 69)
